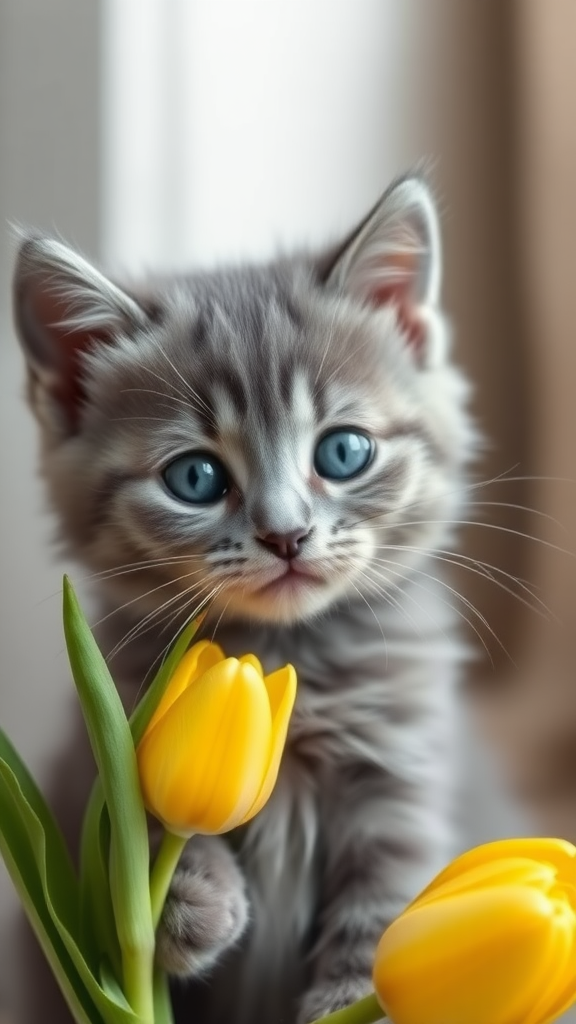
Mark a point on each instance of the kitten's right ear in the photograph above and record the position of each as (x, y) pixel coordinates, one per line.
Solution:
(394, 259)
(63, 306)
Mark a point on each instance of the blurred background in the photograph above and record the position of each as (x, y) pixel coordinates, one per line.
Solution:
(163, 134)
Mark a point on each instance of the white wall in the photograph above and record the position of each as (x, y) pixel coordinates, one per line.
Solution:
(49, 178)
(241, 128)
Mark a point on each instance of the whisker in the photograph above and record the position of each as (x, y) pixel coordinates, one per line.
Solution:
(170, 385)
(220, 617)
(379, 624)
(463, 487)
(443, 601)
(152, 419)
(491, 526)
(465, 601)
(502, 478)
(454, 554)
(519, 508)
(143, 626)
(163, 653)
(190, 601)
(488, 576)
(327, 346)
(389, 598)
(146, 623)
(121, 570)
(384, 594)
(131, 567)
(147, 593)
(351, 355)
(402, 524)
(483, 569)
(159, 394)
(188, 387)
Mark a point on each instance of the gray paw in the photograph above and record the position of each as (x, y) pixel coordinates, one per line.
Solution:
(206, 910)
(323, 999)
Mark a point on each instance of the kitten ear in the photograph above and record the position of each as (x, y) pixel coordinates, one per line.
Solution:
(395, 258)
(63, 306)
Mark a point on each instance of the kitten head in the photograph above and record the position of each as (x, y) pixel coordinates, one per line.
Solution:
(263, 436)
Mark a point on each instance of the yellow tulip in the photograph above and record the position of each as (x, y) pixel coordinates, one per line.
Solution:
(210, 755)
(492, 940)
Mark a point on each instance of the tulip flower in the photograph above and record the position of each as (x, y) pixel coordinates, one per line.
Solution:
(209, 758)
(492, 939)
(210, 755)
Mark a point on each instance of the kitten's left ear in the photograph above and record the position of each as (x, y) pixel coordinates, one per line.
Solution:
(395, 258)
(63, 308)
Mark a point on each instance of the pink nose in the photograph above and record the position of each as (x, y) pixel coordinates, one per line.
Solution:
(284, 545)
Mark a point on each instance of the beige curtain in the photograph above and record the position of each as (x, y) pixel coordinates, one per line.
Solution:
(531, 711)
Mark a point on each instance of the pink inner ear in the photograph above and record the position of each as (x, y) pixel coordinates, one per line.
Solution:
(64, 349)
(412, 326)
(391, 282)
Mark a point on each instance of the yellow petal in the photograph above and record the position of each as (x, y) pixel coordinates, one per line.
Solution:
(197, 660)
(558, 852)
(239, 758)
(251, 659)
(560, 991)
(479, 957)
(505, 871)
(203, 762)
(281, 689)
(170, 753)
(281, 686)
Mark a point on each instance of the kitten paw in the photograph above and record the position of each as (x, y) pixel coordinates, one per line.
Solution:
(206, 911)
(323, 999)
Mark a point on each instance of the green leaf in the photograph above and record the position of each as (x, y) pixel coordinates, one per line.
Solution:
(111, 987)
(75, 924)
(113, 748)
(97, 924)
(20, 859)
(31, 853)
(60, 874)
(98, 927)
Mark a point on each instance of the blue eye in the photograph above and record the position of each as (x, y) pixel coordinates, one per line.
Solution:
(198, 478)
(343, 454)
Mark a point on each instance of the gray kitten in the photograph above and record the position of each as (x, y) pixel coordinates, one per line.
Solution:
(289, 442)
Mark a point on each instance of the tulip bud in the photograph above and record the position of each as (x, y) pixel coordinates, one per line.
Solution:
(492, 938)
(210, 755)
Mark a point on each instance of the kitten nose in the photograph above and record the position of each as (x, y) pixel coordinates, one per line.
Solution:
(284, 545)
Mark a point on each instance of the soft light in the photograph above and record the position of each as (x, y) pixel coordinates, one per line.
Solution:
(492, 939)
(210, 755)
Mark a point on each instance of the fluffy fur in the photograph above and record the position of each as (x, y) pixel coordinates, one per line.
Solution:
(254, 365)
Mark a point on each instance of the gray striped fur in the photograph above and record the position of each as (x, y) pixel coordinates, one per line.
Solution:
(253, 364)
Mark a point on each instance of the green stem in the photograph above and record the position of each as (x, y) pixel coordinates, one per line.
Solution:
(137, 966)
(365, 1011)
(164, 866)
(162, 1004)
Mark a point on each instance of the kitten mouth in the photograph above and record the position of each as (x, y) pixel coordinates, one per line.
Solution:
(291, 579)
